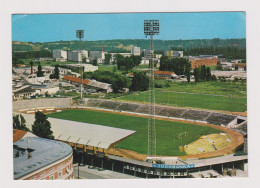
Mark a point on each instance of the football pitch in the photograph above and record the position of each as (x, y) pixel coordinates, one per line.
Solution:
(167, 132)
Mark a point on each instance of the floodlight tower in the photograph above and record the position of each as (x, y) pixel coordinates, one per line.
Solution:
(151, 28)
(80, 35)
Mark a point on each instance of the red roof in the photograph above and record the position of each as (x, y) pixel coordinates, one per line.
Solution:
(18, 134)
(74, 79)
(163, 72)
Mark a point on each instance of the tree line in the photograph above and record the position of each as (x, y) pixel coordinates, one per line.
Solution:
(127, 63)
(41, 126)
(202, 74)
(180, 66)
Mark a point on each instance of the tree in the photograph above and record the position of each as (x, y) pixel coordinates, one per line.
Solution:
(19, 123)
(94, 62)
(56, 72)
(219, 67)
(208, 74)
(41, 126)
(84, 60)
(196, 74)
(140, 82)
(213, 77)
(107, 58)
(39, 72)
(187, 71)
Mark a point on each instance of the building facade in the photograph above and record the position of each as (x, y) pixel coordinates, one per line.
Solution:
(77, 55)
(37, 158)
(59, 54)
(136, 51)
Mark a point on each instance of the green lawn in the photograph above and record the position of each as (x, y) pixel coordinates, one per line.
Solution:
(232, 104)
(167, 132)
(229, 88)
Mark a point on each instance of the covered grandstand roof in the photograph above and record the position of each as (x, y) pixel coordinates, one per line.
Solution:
(84, 133)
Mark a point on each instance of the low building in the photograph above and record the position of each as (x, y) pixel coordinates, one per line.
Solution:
(77, 55)
(136, 51)
(25, 91)
(36, 158)
(49, 69)
(227, 66)
(87, 67)
(164, 74)
(89, 84)
(99, 55)
(240, 66)
(43, 89)
(59, 54)
(207, 62)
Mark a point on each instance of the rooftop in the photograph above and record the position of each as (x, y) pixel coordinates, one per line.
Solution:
(44, 152)
(73, 79)
(163, 72)
(84, 133)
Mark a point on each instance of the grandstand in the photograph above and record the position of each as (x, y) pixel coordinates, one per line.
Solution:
(183, 113)
(220, 118)
(48, 102)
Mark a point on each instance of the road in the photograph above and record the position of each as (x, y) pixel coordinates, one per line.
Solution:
(87, 173)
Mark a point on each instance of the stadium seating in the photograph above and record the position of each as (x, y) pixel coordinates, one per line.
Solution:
(171, 112)
(218, 118)
(143, 109)
(128, 107)
(196, 115)
(109, 105)
(48, 102)
(93, 103)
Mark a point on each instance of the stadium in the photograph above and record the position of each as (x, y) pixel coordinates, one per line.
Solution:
(112, 135)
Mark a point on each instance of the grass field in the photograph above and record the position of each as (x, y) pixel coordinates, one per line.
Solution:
(167, 132)
(232, 104)
(229, 88)
(225, 96)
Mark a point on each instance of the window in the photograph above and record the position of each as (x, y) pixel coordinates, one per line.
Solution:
(59, 174)
(51, 169)
(51, 177)
(42, 173)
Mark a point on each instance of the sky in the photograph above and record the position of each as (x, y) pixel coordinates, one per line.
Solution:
(173, 26)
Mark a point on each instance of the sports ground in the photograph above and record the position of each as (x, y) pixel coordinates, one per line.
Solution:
(168, 140)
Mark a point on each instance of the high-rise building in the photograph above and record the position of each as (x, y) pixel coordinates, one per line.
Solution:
(77, 55)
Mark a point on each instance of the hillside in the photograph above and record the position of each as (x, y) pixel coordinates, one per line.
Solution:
(124, 45)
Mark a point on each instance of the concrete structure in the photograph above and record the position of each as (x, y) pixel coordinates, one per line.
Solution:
(59, 54)
(136, 51)
(230, 74)
(37, 158)
(77, 55)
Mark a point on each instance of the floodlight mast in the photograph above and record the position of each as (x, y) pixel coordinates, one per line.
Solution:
(151, 28)
(80, 35)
